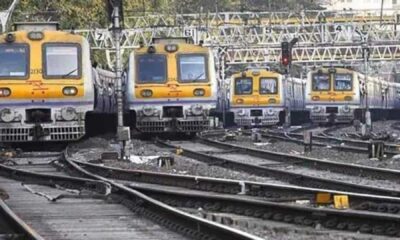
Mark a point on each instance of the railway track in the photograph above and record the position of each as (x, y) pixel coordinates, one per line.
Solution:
(13, 227)
(343, 144)
(264, 191)
(96, 208)
(269, 164)
(367, 222)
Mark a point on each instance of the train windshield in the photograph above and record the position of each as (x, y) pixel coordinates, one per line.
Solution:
(268, 86)
(192, 68)
(320, 82)
(61, 61)
(243, 86)
(152, 68)
(13, 61)
(343, 82)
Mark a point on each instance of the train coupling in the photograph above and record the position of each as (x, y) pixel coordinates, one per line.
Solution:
(37, 132)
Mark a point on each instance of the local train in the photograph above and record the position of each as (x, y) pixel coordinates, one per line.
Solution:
(329, 94)
(48, 88)
(259, 97)
(47, 84)
(340, 95)
(171, 87)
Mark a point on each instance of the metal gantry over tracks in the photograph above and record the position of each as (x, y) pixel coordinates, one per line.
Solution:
(248, 37)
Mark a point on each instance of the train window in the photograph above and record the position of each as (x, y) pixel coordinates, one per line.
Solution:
(243, 86)
(268, 86)
(343, 82)
(61, 60)
(152, 68)
(192, 68)
(320, 82)
(13, 61)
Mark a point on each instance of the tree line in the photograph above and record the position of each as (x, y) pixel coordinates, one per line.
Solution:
(92, 13)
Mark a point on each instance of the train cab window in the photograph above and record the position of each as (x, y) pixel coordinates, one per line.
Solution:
(152, 68)
(13, 61)
(243, 86)
(192, 68)
(61, 60)
(268, 86)
(343, 82)
(320, 82)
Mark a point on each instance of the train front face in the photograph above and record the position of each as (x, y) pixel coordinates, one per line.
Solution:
(256, 98)
(45, 86)
(332, 95)
(172, 87)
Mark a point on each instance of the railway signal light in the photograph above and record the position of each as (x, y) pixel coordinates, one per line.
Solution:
(286, 54)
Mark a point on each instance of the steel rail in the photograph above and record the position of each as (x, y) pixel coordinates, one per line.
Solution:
(272, 192)
(17, 223)
(327, 165)
(353, 145)
(195, 226)
(290, 177)
(366, 222)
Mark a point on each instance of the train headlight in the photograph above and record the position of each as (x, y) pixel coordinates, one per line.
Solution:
(270, 111)
(272, 100)
(10, 38)
(316, 109)
(197, 110)
(242, 112)
(146, 93)
(239, 101)
(348, 98)
(68, 113)
(151, 50)
(171, 48)
(148, 111)
(346, 109)
(35, 35)
(198, 92)
(315, 98)
(5, 92)
(6, 115)
(70, 91)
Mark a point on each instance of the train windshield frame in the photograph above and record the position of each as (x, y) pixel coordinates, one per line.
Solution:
(62, 61)
(321, 82)
(14, 61)
(192, 68)
(268, 85)
(343, 82)
(151, 68)
(243, 86)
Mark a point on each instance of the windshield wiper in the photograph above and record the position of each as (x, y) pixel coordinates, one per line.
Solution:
(197, 78)
(69, 74)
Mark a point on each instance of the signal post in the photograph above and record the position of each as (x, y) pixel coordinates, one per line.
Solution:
(115, 9)
(286, 61)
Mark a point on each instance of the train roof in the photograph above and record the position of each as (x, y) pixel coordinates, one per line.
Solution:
(36, 26)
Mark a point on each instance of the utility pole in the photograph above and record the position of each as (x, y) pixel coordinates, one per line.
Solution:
(368, 120)
(123, 133)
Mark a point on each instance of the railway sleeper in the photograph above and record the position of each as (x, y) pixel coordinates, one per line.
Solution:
(331, 220)
(272, 194)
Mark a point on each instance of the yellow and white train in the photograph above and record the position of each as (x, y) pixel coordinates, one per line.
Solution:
(46, 84)
(340, 95)
(171, 87)
(259, 97)
(48, 88)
